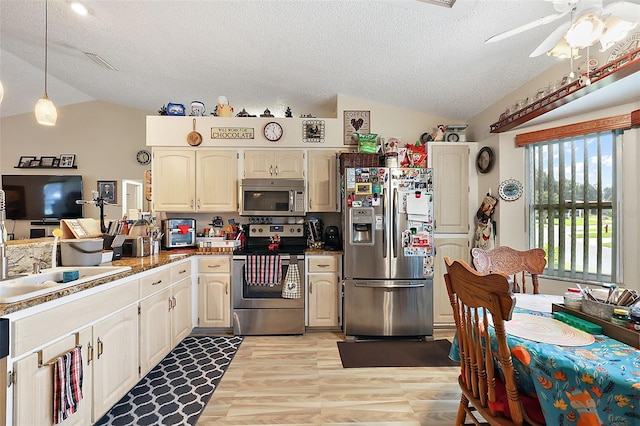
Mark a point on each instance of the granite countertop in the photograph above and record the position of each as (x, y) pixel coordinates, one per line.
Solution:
(137, 264)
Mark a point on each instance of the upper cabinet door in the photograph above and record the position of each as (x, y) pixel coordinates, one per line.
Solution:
(217, 181)
(173, 180)
(274, 164)
(322, 181)
(450, 164)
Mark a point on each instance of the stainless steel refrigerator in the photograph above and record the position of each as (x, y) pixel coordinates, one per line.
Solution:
(388, 252)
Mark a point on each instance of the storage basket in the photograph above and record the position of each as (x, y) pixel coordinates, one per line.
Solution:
(597, 309)
(357, 159)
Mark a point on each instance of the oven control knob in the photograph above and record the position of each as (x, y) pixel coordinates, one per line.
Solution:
(298, 230)
(259, 229)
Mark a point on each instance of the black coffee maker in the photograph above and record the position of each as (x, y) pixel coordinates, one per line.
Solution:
(332, 239)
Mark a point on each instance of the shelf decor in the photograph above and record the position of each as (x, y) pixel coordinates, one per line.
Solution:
(67, 160)
(313, 131)
(25, 161)
(47, 161)
(355, 121)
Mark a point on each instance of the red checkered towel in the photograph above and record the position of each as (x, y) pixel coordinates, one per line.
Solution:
(67, 384)
(263, 270)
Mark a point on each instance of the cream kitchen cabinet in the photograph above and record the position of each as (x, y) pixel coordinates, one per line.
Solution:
(455, 248)
(195, 181)
(450, 162)
(323, 291)
(165, 312)
(214, 291)
(34, 390)
(322, 181)
(107, 327)
(274, 164)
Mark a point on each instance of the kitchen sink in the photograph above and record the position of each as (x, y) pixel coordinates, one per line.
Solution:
(50, 280)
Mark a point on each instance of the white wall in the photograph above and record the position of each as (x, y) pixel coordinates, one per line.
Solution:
(104, 137)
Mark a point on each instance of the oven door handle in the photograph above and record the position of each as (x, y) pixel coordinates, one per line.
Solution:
(389, 286)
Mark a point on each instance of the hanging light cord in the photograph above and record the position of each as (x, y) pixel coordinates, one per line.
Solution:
(46, 44)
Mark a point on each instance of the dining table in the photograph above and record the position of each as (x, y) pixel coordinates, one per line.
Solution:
(580, 379)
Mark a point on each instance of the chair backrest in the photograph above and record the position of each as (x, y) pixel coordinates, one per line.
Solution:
(511, 262)
(473, 296)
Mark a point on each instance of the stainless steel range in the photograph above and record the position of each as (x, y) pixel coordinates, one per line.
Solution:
(268, 281)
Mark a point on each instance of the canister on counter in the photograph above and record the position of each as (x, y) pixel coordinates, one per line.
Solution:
(620, 317)
(573, 299)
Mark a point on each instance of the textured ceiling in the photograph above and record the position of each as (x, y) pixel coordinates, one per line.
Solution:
(272, 54)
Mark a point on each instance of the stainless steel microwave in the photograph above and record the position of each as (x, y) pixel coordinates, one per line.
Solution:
(272, 197)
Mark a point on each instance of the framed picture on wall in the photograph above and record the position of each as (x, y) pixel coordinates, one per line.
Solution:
(107, 190)
(355, 121)
(67, 160)
(47, 161)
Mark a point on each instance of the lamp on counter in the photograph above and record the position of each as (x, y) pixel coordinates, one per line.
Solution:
(45, 109)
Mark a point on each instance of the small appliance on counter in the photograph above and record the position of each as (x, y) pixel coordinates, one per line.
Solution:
(332, 240)
(179, 233)
(136, 247)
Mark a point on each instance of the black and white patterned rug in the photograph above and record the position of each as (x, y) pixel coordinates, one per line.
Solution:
(176, 390)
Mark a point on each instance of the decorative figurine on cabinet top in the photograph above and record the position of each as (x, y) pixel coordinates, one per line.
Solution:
(266, 113)
(288, 113)
(224, 109)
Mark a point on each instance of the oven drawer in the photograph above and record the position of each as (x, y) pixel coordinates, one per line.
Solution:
(323, 264)
(217, 264)
(154, 282)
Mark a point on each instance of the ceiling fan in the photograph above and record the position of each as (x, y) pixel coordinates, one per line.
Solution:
(589, 23)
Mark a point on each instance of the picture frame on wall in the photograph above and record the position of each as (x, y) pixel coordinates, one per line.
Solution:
(67, 160)
(107, 190)
(355, 121)
(47, 161)
(25, 161)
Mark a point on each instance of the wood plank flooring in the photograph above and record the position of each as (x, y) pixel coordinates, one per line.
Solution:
(299, 380)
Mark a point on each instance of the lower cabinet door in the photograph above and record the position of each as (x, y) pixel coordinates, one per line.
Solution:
(155, 328)
(33, 393)
(181, 324)
(115, 366)
(215, 300)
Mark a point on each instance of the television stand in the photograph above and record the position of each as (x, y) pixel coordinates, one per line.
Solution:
(46, 222)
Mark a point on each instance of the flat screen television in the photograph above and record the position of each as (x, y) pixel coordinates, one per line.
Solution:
(42, 197)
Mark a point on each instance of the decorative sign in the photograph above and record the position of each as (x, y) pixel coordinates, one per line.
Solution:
(355, 121)
(232, 133)
(313, 131)
(632, 42)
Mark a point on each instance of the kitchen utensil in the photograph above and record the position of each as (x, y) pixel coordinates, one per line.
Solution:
(194, 138)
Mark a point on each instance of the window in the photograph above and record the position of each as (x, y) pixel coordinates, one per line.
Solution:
(572, 201)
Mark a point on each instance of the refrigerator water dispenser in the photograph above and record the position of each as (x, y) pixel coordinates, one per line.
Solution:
(361, 225)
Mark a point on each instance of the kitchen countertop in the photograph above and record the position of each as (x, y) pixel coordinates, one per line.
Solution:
(137, 264)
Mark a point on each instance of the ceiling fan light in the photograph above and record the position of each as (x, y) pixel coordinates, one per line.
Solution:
(46, 112)
(562, 50)
(615, 30)
(585, 31)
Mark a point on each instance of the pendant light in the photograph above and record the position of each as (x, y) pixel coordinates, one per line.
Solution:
(45, 109)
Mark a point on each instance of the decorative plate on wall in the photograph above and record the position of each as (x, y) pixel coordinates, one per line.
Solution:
(510, 190)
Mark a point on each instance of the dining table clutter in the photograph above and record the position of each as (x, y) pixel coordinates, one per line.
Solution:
(590, 375)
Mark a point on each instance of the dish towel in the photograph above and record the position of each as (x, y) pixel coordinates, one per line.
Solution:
(263, 270)
(67, 384)
(291, 287)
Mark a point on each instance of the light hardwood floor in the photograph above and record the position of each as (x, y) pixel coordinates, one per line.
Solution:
(299, 380)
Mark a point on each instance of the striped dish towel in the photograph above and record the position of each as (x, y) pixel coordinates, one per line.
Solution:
(263, 270)
(291, 287)
(67, 384)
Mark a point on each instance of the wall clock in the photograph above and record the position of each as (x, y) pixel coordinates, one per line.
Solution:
(484, 160)
(143, 157)
(510, 190)
(272, 131)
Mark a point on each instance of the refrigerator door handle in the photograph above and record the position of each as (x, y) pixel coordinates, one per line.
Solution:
(384, 227)
(394, 212)
(389, 286)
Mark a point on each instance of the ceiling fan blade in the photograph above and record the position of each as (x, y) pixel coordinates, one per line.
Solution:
(538, 22)
(623, 10)
(551, 40)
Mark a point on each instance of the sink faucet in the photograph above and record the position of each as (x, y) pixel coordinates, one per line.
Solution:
(4, 258)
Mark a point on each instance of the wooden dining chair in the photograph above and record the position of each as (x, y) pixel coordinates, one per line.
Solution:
(511, 262)
(494, 396)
